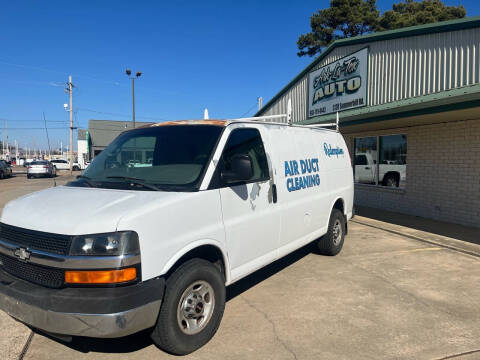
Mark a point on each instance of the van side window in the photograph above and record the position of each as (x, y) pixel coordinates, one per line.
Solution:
(244, 142)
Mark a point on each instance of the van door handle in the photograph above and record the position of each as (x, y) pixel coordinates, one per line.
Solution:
(274, 193)
(367, 167)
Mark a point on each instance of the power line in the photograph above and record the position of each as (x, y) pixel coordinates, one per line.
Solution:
(34, 120)
(246, 112)
(40, 128)
(58, 72)
(102, 112)
(123, 115)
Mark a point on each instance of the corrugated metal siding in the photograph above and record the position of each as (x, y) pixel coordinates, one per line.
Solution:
(298, 94)
(403, 68)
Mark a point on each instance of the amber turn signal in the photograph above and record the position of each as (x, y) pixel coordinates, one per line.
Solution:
(100, 277)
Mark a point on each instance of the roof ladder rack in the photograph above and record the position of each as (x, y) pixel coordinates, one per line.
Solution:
(288, 116)
(336, 124)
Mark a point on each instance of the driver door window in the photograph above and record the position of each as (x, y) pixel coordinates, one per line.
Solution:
(245, 142)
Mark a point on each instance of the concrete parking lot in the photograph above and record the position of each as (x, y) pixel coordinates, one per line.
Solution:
(392, 293)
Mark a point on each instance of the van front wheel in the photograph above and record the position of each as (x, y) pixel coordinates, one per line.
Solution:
(192, 308)
(332, 242)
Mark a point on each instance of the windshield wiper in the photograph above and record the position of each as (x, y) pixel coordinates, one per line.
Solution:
(136, 181)
(87, 180)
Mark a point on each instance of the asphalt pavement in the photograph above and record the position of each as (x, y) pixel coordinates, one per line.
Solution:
(392, 293)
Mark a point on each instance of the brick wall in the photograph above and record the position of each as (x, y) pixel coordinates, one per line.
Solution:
(443, 174)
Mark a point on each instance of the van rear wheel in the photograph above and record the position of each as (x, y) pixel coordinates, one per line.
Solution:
(332, 242)
(192, 308)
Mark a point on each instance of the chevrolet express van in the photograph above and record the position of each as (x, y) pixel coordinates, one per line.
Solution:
(171, 214)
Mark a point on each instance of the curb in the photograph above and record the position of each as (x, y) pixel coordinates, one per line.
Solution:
(441, 241)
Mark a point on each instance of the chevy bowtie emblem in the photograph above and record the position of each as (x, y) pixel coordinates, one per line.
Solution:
(22, 253)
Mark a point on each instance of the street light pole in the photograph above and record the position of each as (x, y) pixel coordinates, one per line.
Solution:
(137, 75)
(133, 101)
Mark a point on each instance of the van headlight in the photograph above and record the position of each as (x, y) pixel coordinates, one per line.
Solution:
(106, 244)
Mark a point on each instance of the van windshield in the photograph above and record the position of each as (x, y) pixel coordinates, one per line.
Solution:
(155, 158)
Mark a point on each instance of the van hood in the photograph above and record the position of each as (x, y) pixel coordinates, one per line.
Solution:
(77, 210)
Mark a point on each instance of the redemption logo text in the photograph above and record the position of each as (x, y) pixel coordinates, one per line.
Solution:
(329, 151)
(302, 174)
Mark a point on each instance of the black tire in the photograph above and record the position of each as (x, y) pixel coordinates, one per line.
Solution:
(329, 244)
(29, 176)
(390, 181)
(75, 168)
(167, 334)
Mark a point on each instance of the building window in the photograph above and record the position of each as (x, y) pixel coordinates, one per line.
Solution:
(385, 167)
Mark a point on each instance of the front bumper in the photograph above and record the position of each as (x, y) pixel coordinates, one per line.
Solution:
(92, 312)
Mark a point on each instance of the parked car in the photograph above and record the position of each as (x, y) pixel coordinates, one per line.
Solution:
(40, 168)
(65, 165)
(5, 169)
(158, 244)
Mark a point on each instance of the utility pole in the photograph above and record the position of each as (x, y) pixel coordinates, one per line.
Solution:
(3, 148)
(260, 102)
(70, 91)
(8, 150)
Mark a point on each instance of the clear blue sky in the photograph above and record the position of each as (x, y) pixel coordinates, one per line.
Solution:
(193, 54)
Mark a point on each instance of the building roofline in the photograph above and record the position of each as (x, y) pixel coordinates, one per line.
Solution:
(437, 27)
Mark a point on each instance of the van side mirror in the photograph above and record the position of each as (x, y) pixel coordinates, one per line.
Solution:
(241, 169)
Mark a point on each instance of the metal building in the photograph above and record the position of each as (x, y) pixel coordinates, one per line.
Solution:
(101, 133)
(409, 107)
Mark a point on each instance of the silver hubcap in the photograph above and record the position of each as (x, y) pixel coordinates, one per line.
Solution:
(337, 232)
(195, 307)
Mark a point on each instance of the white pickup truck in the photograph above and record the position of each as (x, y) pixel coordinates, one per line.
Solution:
(172, 213)
(389, 173)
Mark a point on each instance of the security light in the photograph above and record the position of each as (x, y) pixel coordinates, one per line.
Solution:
(138, 74)
(128, 72)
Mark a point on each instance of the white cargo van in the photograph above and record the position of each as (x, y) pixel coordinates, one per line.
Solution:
(171, 214)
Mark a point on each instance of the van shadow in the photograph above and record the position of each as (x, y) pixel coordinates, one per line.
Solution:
(142, 339)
